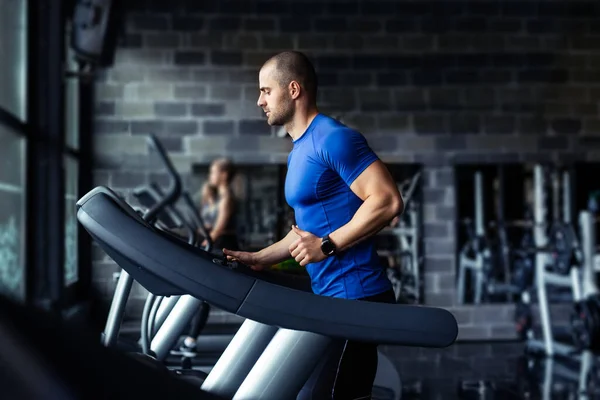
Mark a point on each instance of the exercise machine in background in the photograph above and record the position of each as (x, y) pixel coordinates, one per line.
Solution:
(571, 369)
(565, 273)
(475, 257)
(574, 374)
(489, 260)
(504, 266)
(403, 251)
(557, 266)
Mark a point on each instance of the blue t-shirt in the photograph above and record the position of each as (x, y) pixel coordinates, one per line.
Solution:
(322, 165)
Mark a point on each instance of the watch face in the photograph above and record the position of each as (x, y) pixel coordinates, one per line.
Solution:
(328, 247)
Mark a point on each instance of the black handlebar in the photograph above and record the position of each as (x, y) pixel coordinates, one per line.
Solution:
(172, 195)
(197, 219)
(182, 221)
(174, 190)
(147, 196)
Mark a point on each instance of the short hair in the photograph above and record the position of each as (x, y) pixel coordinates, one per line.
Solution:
(295, 66)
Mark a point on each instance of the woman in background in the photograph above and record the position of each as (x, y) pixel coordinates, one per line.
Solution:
(218, 211)
(218, 208)
(208, 208)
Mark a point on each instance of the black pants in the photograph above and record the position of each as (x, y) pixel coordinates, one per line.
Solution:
(348, 369)
(228, 241)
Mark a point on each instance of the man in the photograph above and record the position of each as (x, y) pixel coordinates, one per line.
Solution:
(342, 194)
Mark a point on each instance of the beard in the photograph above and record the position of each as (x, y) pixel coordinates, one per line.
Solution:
(283, 115)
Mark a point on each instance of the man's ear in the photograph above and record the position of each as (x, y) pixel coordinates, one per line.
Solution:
(294, 89)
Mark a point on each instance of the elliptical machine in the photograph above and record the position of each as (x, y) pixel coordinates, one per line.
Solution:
(557, 261)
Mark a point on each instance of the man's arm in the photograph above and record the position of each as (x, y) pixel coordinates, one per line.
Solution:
(277, 252)
(381, 203)
(267, 257)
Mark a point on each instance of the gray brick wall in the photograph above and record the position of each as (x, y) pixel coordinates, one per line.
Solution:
(437, 83)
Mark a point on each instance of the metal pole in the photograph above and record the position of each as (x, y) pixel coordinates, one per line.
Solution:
(117, 309)
(539, 210)
(479, 232)
(479, 217)
(166, 306)
(566, 182)
(541, 240)
(166, 337)
(284, 367)
(588, 245)
(555, 196)
(238, 358)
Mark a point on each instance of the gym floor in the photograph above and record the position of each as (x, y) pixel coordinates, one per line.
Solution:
(435, 374)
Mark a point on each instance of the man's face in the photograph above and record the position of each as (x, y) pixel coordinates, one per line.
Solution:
(274, 99)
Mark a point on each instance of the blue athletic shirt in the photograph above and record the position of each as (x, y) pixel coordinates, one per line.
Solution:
(322, 165)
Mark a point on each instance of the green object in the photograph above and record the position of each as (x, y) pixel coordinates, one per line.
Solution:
(290, 265)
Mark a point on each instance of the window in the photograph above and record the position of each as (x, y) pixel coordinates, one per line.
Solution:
(13, 92)
(13, 48)
(71, 168)
(71, 100)
(12, 213)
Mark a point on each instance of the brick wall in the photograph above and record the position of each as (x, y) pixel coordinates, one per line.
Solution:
(431, 82)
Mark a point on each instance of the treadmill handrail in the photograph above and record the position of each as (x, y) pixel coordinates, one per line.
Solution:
(174, 190)
(168, 266)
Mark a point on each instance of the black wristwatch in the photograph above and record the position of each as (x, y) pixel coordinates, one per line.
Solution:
(327, 246)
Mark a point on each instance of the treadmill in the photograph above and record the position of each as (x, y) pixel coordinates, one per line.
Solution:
(287, 327)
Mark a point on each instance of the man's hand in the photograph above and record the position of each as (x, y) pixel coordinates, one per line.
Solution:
(307, 248)
(245, 257)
